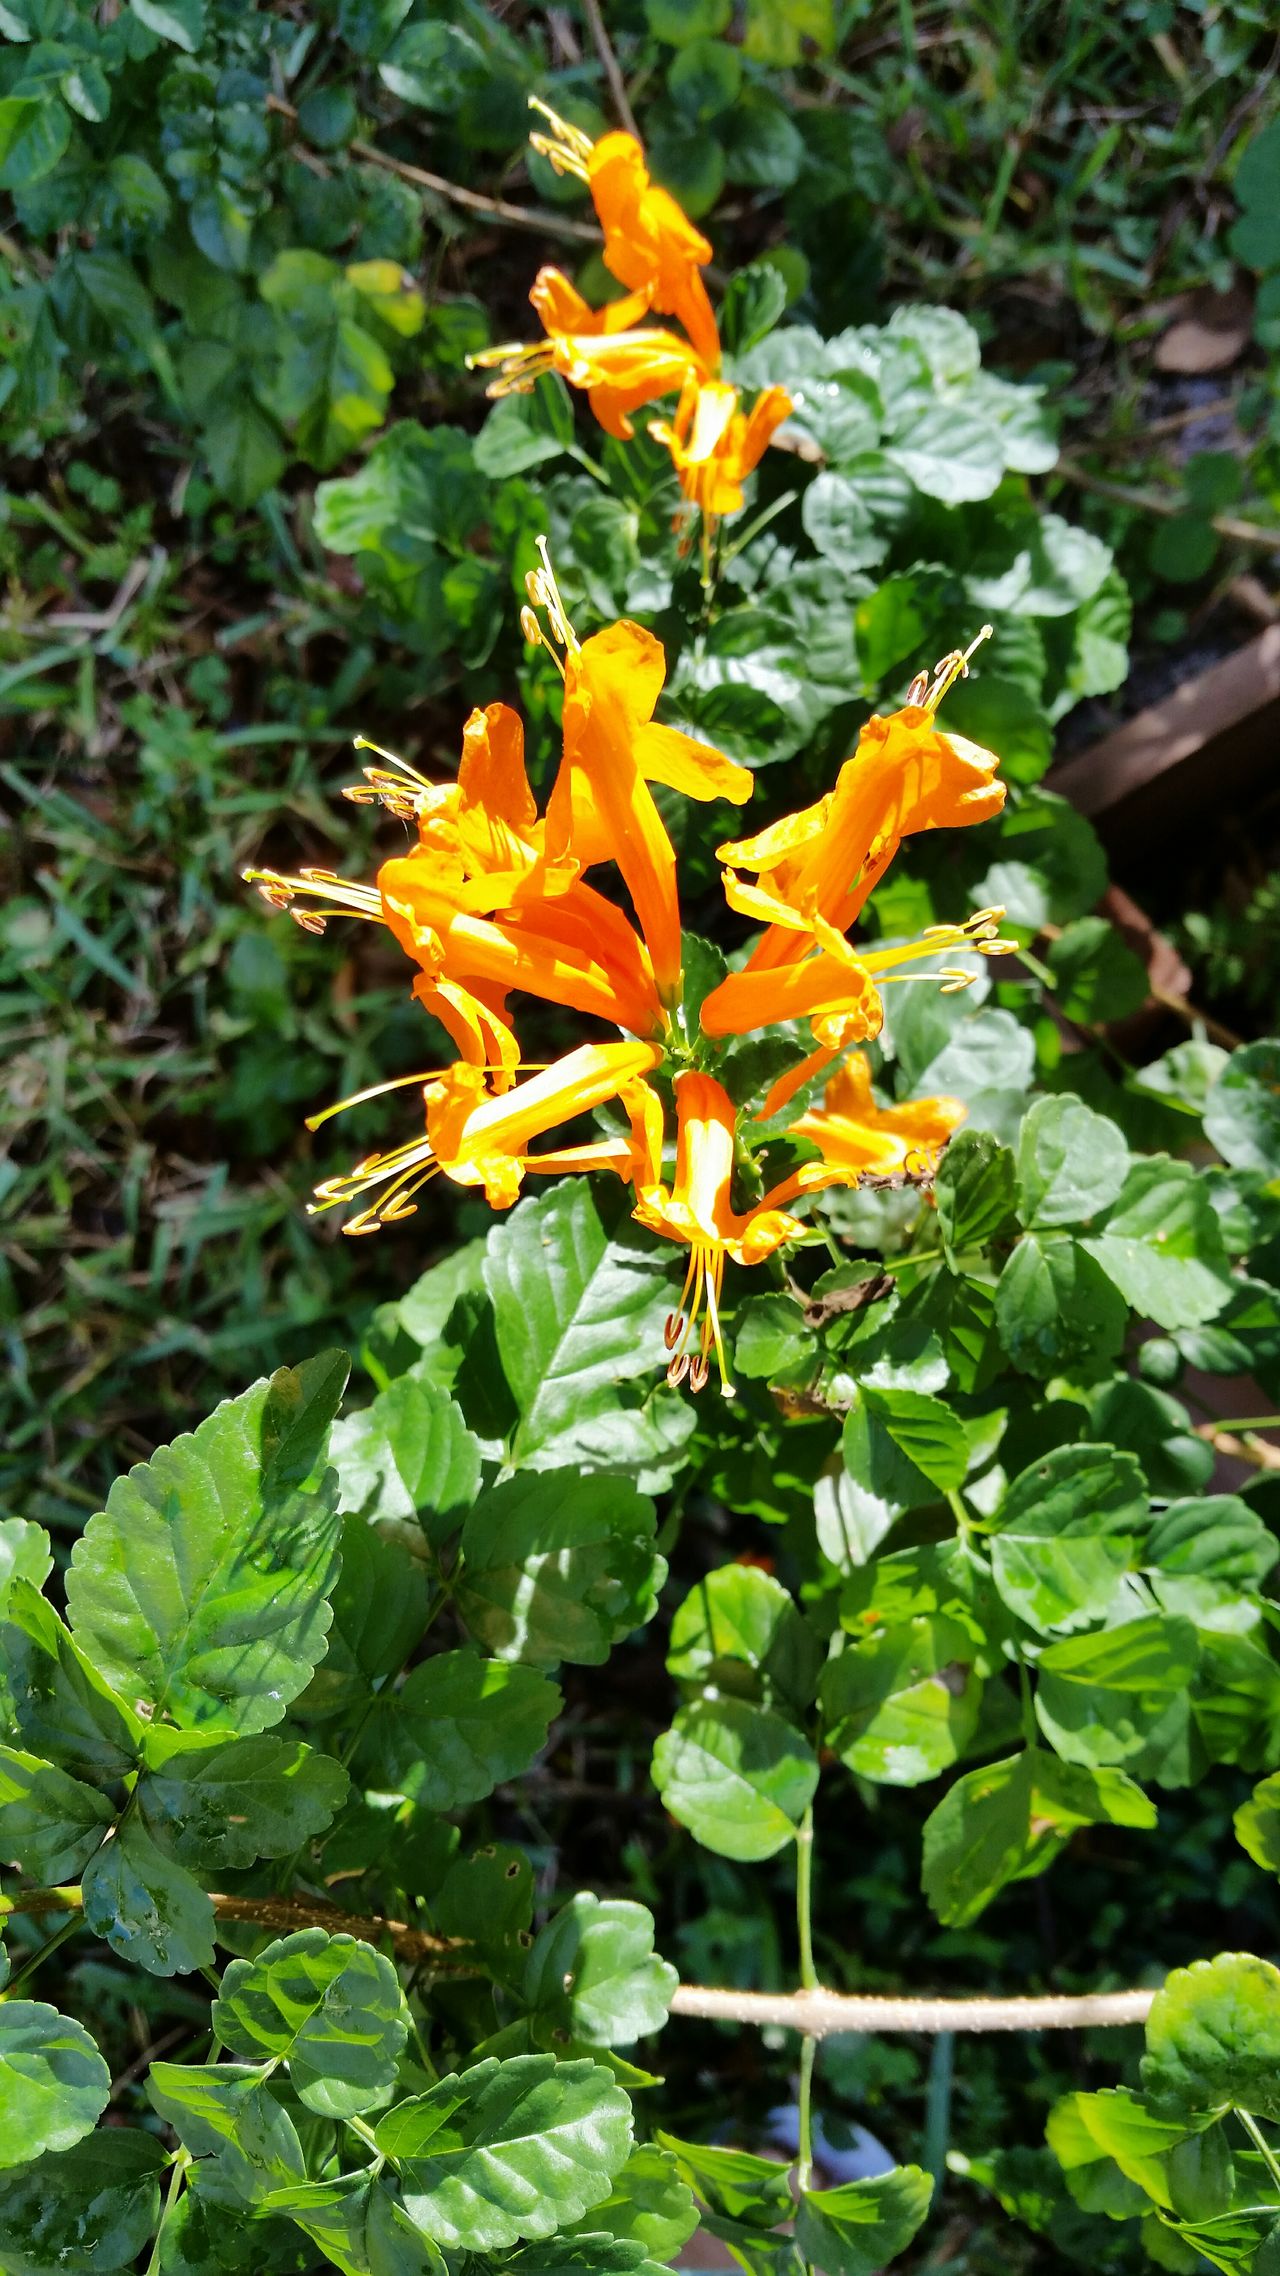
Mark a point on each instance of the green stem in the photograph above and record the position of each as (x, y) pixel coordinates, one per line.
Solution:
(37, 1959)
(804, 1900)
(1263, 2147)
(917, 1256)
(804, 2157)
(1029, 1730)
(173, 2190)
(959, 1512)
(366, 2134)
(937, 2107)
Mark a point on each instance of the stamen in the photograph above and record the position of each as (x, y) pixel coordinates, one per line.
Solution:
(544, 593)
(673, 1330)
(951, 668)
(348, 900)
(699, 1371)
(566, 148)
(678, 1369)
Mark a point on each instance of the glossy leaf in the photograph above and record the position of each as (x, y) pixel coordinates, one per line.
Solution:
(855, 2229)
(901, 1706)
(225, 1802)
(738, 1776)
(1010, 1820)
(458, 1726)
(740, 1631)
(1072, 1162)
(64, 1707)
(559, 1567)
(329, 2006)
(1213, 2039)
(594, 1977)
(103, 2192)
(150, 1909)
(53, 2081)
(409, 1455)
(1065, 1531)
(50, 1823)
(1120, 1697)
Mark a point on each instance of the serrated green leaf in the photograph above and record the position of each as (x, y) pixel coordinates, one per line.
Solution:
(457, 1727)
(1009, 1820)
(649, 2204)
(1112, 2150)
(1242, 1114)
(738, 1776)
(53, 2081)
(150, 1909)
(329, 2006)
(741, 1631)
(1213, 2039)
(50, 1823)
(103, 2194)
(1072, 1163)
(181, 22)
(1096, 976)
(1162, 1245)
(1056, 1309)
(1121, 1696)
(925, 1430)
(24, 1555)
(1066, 1529)
(576, 1313)
(409, 1455)
(948, 453)
(1257, 1824)
(901, 1706)
(508, 2149)
(203, 1585)
(737, 2186)
(360, 2226)
(225, 1802)
(855, 2229)
(558, 1566)
(380, 1607)
(227, 2111)
(593, 1975)
(973, 1190)
(34, 133)
(1212, 1537)
(63, 1706)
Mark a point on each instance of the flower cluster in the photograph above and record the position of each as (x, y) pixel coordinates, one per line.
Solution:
(653, 249)
(493, 898)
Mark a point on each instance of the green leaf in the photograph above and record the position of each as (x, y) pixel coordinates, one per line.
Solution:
(50, 1823)
(902, 1705)
(34, 133)
(948, 453)
(576, 1314)
(226, 2110)
(1212, 1537)
(24, 1555)
(593, 1975)
(840, 523)
(1162, 1245)
(62, 1704)
(738, 1776)
(1010, 1820)
(558, 1566)
(410, 1455)
(856, 2229)
(53, 2081)
(508, 2149)
(1257, 1824)
(1155, 1427)
(1182, 550)
(148, 1907)
(1213, 2039)
(329, 2006)
(1071, 1163)
(740, 1631)
(380, 1608)
(525, 430)
(103, 2194)
(1096, 975)
(1242, 1117)
(226, 1802)
(1056, 1308)
(754, 301)
(1119, 1697)
(457, 1727)
(1113, 2151)
(1066, 1530)
(179, 21)
(754, 2191)
(649, 2204)
(202, 1587)
(974, 1191)
(925, 1430)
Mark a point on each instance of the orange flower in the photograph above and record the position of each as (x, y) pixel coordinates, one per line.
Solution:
(713, 446)
(697, 1209)
(649, 244)
(479, 1139)
(601, 807)
(618, 370)
(852, 1132)
(822, 863)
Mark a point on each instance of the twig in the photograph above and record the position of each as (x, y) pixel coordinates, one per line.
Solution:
(818, 2013)
(1254, 1450)
(1149, 502)
(617, 84)
(1194, 1017)
(1173, 424)
(496, 209)
(815, 2013)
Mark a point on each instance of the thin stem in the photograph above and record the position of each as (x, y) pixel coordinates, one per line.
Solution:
(1263, 2147)
(366, 2134)
(612, 72)
(37, 1959)
(173, 2190)
(804, 1900)
(804, 2154)
(1029, 1730)
(937, 2107)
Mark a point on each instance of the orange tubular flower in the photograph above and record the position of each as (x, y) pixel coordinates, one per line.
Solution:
(852, 1132)
(481, 1140)
(697, 1210)
(713, 446)
(601, 807)
(822, 863)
